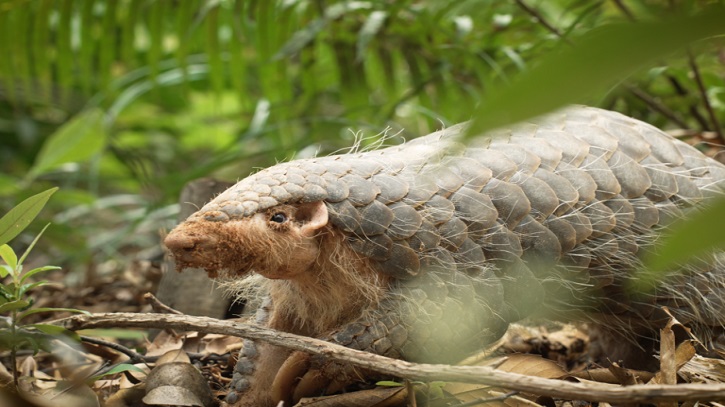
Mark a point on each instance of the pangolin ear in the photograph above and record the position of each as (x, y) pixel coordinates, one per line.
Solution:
(312, 216)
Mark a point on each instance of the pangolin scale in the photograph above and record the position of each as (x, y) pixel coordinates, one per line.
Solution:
(549, 217)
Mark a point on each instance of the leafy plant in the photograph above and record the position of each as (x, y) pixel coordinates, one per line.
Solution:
(14, 293)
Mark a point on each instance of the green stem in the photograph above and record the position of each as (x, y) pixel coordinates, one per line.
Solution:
(14, 349)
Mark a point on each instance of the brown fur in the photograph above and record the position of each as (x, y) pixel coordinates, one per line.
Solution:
(313, 292)
(334, 289)
(315, 281)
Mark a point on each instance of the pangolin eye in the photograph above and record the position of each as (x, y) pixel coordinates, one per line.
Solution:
(278, 217)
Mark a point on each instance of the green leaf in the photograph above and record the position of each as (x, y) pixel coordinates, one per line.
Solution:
(32, 244)
(75, 141)
(26, 287)
(108, 43)
(49, 309)
(305, 36)
(120, 368)
(114, 333)
(369, 30)
(8, 255)
(5, 270)
(54, 330)
(8, 184)
(64, 62)
(599, 59)
(21, 215)
(692, 236)
(35, 271)
(14, 305)
(216, 71)
(388, 383)
(6, 292)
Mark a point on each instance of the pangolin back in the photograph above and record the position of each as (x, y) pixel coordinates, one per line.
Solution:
(553, 214)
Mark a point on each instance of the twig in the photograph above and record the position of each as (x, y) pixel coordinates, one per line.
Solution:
(534, 13)
(679, 89)
(134, 357)
(714, 122)
(624, 10)
(480, 401)
(639, 93)
(159, 306)
(654, 104)
(402, 369)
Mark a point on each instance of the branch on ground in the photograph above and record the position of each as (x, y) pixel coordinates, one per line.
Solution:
(402, 369)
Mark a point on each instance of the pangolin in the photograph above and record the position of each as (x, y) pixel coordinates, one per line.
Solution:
(427, 250)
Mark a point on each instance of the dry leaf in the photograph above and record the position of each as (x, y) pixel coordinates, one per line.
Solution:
(682, 355)
(603, 375)
(221, 344)
(624, 376)
(532, 365)
(78, 395)
(164, 342)
(668, 365)
(378, 397)
(176, 355)
(130, 397)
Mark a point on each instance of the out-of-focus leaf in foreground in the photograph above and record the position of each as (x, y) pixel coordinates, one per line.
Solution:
(692, 236)
(597, 60)
(75, 141)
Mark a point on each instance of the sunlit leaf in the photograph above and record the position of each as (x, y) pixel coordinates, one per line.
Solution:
(21, 215)
(8, 255)
(77, 140)
(599, 59)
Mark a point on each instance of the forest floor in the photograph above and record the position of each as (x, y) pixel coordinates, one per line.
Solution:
(550, 350)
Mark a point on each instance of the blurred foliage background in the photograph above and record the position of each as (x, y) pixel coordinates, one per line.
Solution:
(121, 102)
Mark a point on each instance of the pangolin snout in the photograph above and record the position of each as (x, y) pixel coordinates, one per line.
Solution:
(187, 247)
(179, 241)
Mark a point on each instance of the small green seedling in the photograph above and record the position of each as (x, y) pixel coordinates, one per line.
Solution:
(15, 285)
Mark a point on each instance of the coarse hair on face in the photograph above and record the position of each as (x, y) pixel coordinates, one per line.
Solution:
(337, 286)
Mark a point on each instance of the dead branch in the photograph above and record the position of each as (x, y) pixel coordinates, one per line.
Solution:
(398, 368)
